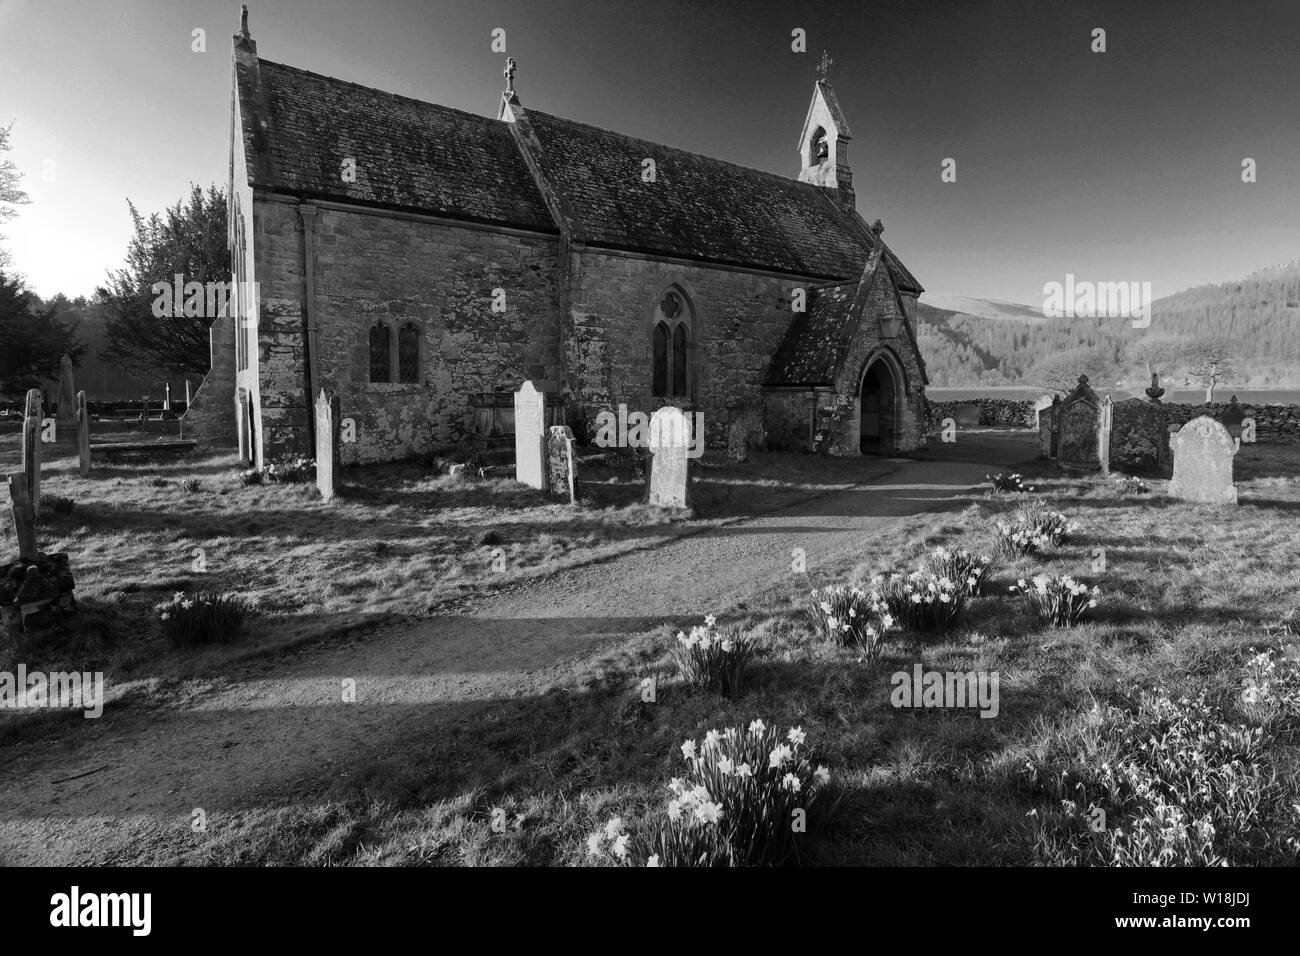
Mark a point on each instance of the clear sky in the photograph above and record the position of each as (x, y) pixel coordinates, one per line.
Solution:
(1115, 166)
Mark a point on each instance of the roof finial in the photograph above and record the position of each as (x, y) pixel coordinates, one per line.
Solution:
(509, 74)
(243, 20)
(824, 68)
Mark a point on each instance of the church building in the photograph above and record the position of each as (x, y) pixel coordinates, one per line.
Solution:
(421, 262)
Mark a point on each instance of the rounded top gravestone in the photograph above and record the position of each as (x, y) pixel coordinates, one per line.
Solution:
(1203, 455)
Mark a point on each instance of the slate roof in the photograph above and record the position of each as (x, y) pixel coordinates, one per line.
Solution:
(422, 157)
(697, 207)
(409, 154)
(815, 343)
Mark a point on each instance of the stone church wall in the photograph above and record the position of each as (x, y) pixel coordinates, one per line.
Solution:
(440, 276)
(740, 319)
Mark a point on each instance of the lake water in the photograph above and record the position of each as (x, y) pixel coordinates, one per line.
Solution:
(1255, 396)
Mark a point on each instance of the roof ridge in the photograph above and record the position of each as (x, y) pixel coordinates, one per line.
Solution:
(713, 159)
(375, 89)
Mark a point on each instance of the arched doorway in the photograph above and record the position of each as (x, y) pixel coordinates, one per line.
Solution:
(880, 403)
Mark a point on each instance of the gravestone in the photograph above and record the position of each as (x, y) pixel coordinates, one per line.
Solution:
(530, 423)
(1203, 453)
(1079, 424)
(24, 517)
(1105, 422)
(561, 464)
(738, 440)
(1041, 404)
(1139, 436)
(967, 416)
(67, 393)
(189, 395)
(327, 444)
(83, 433)
(1232, 418)
(670, 445)
(1047, 433)
(32, 448)
(167, 396)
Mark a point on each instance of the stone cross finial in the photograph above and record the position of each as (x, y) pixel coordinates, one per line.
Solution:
(824, 67)
(509, 74)
(243, 20)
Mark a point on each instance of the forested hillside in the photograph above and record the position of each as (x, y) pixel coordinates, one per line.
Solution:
(1258, 318)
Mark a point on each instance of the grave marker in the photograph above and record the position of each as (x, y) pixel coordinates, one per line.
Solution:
(670, 442)
(67, 393)
(530, 422)
(32, 449)
(24, 517)
(1203, 454)
(561, 464)
(327, 444)
(83, 433)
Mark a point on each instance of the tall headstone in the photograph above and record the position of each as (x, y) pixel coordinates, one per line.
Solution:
(83, 433)
(670, 445)
(1047, 433)
(167, 396)
(328, 424)
(189, 395)
(1203, 453)
(1079, 423)
(1105, 421)
(1139, 437)
(32, 448)
(561, 464)
(242, 431)
(1041, 404)
(67, 393)
(24, 517)
(530, 423)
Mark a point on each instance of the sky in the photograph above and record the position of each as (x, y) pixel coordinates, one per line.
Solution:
(1115, 166)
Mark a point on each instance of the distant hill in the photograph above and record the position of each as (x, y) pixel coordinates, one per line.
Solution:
(985, 342)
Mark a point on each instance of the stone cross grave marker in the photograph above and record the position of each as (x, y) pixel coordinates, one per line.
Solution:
(1203, 453)
(67, 393)
(530, 423)
(32, 449)
(561, 464)
(83, 433)
(24, 517)
(670, 443)
(327, 444)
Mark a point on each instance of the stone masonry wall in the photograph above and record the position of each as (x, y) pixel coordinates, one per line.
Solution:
(211, 417)
(740, 319)
(440, 277)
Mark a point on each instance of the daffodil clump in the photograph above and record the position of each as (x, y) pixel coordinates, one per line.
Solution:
(713, 659)
(921, 600)
(1058, 601)
(1009, 484)
(969, 570)
(1033, 530)
(1131, 485)
(202, 618)
(850, 617)
(748, 798)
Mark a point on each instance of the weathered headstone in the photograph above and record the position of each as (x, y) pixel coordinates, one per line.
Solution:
(1203, 454)
(1047, 429)
(670, 444)
(32, 448)
(1041, 404)
(1105, 422)
(24, 517)
(83, 433)
(167, 396)
(530, 422)
(738, 440)
(189, 395)
(561, 464)
(1139, 436)
(1079, 424)
(67, 393)
(327, 444)
(1232, 418)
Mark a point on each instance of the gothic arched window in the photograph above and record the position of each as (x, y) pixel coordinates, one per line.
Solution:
(408, 353)
(380, 344)
(671, 348)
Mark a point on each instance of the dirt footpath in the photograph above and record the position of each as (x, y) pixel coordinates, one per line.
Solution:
(275, 723)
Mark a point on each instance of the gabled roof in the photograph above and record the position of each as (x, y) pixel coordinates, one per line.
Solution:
(409, 154)
(299, 128)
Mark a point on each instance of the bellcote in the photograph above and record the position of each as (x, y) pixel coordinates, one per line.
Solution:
(824, 147)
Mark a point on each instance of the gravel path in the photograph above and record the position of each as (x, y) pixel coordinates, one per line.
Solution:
(277, 723)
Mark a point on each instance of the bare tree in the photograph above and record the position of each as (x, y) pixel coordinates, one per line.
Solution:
(1209, 363)
(10, 194)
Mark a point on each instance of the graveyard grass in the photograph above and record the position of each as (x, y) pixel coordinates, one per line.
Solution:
(1189, 594)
